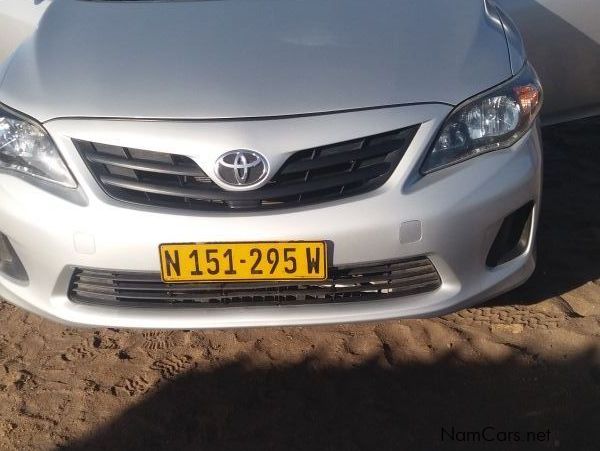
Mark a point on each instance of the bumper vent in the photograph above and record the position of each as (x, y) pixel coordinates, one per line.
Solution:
(10, 265)
(309, 176)
(348, 284)
(513, 237)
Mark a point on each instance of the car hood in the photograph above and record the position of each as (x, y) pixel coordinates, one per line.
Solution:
(252, 58)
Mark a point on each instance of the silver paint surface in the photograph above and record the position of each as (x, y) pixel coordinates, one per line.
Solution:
(233, 59)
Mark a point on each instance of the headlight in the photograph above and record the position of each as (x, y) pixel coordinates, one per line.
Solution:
(491, 121)
(25, 147)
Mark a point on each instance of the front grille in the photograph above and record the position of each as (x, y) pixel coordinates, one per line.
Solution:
(309, 176)
(377, 281)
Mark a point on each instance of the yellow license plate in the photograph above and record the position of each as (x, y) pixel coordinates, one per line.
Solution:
(244, 262)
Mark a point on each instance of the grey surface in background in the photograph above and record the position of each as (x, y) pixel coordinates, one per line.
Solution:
(562, 38)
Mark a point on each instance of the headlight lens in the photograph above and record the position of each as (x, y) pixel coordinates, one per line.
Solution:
(494, 120)
(25, 147)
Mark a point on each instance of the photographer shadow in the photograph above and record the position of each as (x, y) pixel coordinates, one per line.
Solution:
(372, 406)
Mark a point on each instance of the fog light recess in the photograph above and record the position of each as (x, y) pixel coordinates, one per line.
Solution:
(10, 265)
(513, 237)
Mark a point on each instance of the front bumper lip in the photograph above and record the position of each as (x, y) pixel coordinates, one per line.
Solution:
(460, 210)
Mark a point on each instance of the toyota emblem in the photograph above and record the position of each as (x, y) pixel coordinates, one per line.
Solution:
(241, 168)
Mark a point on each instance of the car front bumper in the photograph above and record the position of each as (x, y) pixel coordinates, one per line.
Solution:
(459, 210)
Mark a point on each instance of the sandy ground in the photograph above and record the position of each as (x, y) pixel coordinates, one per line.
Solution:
(525, 366)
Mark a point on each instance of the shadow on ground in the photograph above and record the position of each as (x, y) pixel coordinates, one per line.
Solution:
(366, 407)
(568, 244)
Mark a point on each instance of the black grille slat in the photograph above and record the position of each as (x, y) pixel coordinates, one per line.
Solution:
(266, 292)
(194, 288)
(421, 264)
(322, 183)
(99, 288)
(148, 166)
(333, 160)
(364, 283)
(132, 277)
(400, 266)
(308, 176)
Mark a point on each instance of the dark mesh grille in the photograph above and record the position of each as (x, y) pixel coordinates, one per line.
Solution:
(372, 282)
(309, 176)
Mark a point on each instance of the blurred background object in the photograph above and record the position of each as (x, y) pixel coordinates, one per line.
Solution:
(563, 43)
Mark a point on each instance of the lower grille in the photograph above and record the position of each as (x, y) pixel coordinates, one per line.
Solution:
(372, 282)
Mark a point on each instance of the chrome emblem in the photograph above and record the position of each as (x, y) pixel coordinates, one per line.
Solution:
(241, 168)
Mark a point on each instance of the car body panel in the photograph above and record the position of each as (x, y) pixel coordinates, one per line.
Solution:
(231, 59)
(457, 229)
(514, 40)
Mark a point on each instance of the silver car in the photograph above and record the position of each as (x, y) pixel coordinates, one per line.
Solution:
(197, 164)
